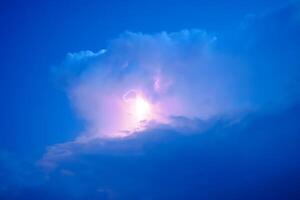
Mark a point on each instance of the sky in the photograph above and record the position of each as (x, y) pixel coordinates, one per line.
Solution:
(149, 99)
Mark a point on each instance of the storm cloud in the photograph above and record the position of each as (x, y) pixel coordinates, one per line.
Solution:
(223, 124)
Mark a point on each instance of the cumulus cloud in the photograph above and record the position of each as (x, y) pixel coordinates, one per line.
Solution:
(189, 73)
(179, 74)
(190, 78)
(199, 86)
(182, 74)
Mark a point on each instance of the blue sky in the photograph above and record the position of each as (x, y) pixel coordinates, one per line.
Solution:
(231, 70)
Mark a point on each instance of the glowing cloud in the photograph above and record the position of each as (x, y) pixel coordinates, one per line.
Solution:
(139, 109)
(142, 109)
(141, 78)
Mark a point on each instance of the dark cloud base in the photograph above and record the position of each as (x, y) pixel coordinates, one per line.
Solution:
(255, 158)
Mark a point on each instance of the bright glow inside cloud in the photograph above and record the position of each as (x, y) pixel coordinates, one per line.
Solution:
(142, 109)
(141, 78)
(139, 109)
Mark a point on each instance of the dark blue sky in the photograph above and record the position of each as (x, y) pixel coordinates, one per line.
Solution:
(35, 37)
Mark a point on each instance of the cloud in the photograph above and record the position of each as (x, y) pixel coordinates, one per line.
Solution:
(132, 145)
(191, 79)
(243, 160)
(189, 73)
(179, 74)
(223, 125)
